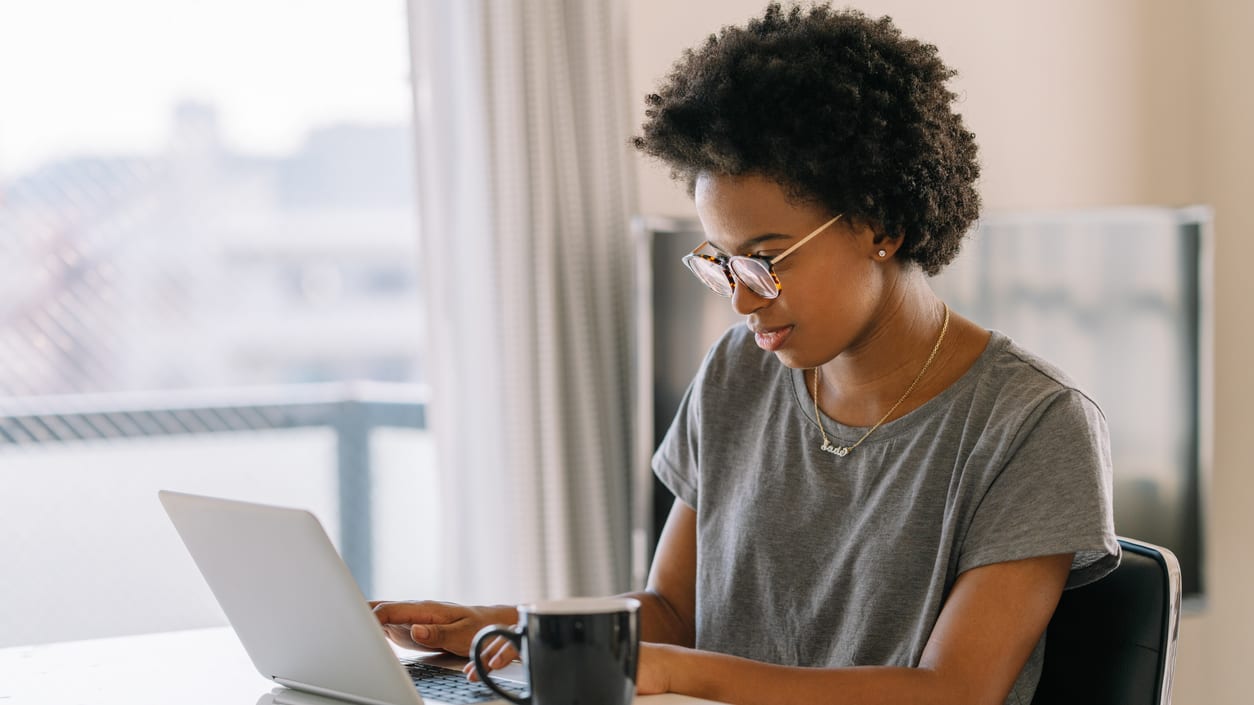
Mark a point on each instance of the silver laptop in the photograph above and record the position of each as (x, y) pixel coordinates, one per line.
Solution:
(300, 614)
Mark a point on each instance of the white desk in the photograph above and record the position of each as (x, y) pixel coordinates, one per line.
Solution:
(200, 667)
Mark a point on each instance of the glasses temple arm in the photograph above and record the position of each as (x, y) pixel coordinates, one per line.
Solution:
(800, 242)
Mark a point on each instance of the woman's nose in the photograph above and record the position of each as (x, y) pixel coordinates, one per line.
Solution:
(745, 302)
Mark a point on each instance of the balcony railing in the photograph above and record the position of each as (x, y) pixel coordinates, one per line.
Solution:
(351, 410)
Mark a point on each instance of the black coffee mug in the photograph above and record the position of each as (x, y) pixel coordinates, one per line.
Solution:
(581, 651)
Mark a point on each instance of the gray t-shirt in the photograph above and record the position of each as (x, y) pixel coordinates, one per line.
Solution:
(808, 559)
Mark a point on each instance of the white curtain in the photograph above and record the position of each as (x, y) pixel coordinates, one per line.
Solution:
(525, 200)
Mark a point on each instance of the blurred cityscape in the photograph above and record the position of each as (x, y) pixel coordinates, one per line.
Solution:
(189, 275)
(203, 266)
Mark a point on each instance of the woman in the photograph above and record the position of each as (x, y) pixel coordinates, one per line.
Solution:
(891, 514)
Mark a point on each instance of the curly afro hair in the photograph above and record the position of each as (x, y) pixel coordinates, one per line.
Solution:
(840, 110)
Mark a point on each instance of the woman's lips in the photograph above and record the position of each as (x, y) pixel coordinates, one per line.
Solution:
(772, 339)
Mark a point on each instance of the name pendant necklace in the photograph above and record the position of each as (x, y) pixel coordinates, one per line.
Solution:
(842, 451)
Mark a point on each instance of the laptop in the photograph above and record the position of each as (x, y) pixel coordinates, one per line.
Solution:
(300, 615)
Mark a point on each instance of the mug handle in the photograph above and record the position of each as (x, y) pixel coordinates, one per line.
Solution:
(476, 648)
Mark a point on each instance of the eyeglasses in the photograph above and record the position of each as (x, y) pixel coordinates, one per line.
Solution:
(721, 273)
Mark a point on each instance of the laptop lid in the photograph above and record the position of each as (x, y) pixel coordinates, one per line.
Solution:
(291, 600)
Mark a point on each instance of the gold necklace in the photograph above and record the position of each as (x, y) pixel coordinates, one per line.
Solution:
(842, 451)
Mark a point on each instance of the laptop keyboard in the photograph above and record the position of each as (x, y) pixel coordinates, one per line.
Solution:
(451, 686)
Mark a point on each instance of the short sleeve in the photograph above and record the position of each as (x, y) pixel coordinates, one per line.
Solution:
(1052, 495)
(675, 462)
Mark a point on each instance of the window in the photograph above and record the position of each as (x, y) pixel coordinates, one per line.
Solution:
(206, 218)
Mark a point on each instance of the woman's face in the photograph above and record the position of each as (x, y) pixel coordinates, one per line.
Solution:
(832, 287)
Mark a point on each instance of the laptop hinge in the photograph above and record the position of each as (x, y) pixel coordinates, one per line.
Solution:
(325, 692)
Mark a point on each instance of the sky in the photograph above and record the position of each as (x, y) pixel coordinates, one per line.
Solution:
(84, 76)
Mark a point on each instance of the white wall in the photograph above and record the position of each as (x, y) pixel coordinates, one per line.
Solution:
(1076, 103)
(1226, 125)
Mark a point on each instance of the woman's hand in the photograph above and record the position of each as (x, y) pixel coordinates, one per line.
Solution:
(438, 626)
(498, 652)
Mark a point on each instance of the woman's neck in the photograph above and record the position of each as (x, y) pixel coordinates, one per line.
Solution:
(862, 383)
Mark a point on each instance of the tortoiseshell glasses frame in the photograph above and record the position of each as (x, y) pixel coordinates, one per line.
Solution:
(721, 272)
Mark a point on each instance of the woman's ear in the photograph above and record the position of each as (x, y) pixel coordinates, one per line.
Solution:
(884, 247)
(879, 245)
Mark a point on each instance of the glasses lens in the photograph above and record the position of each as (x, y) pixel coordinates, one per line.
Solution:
(756, 275)
(710, 274)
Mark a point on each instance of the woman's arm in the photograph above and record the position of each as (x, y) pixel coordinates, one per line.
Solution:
(668, 605)
(985, 633)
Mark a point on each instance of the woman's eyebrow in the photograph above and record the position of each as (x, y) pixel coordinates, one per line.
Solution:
(753, 242)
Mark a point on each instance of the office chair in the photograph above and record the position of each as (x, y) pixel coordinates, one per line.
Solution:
(1113, 642)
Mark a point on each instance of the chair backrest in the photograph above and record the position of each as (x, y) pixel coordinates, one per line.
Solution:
(1113, 642)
